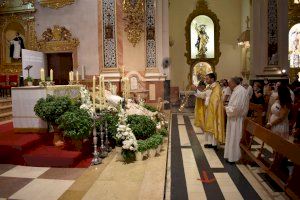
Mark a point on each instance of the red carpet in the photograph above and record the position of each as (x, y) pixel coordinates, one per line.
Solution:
(33, 150)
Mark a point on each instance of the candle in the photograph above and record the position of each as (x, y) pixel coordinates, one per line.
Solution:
(82, 72)
(51, 75)
(123, 73)
(69, 76)
(94, 90)
(77, 76)
(72, 76)
(42, 75)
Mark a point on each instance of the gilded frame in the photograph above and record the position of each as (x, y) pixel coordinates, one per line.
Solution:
(55, 4)
(202, 9)
(28, 23)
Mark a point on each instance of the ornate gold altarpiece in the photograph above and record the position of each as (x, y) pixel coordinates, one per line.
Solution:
(19, 13)
(202, 10)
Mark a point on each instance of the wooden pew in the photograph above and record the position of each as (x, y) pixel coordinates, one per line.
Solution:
(284, 150)
(257, 113)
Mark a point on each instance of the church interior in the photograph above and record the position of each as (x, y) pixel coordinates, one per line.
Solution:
(149, 99)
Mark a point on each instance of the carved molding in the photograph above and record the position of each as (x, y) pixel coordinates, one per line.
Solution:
(58, 39)
(134, 19)
(16, 6)
(55, 4)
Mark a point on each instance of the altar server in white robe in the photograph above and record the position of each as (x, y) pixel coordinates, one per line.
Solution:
(236, 112)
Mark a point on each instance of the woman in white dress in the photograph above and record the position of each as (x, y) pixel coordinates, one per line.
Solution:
(278, 121)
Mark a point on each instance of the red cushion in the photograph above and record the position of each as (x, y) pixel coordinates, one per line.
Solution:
(6, 86)
(3, 78)
(13, 78)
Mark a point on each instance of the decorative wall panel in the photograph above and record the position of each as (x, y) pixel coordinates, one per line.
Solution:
(109, 34)
(150, 37)
(272, 33)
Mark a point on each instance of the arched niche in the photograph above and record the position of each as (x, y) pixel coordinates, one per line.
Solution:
(202, 33)
(10, 24)
(199, 72)
(9, 34)
(294, 50)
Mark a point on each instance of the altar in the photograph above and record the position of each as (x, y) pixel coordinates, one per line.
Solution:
(25, 98)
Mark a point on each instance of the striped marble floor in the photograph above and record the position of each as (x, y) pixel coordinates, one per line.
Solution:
(198, 173)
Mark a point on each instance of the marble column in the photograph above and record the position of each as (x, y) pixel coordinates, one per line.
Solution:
(259, 39)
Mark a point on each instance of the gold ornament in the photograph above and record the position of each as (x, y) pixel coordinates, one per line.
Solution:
(55, 4)
(134, 17)
(57, 39)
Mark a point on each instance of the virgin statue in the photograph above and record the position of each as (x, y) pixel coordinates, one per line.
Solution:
(202, 40)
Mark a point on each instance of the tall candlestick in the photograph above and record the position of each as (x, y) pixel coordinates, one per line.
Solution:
(77, 76)
(51, 75)
(42, 75)
(123, 72)
(69, 76)
(94, 93)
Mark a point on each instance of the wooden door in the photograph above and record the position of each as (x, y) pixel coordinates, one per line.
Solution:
(62, 64)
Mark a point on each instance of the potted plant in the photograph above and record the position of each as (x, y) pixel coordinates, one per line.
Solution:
(29, 80)
(151, 146)
(142, 126)
(141, 149)
(50, 109)
(76, 124)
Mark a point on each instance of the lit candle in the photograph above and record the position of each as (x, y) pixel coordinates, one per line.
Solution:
(77, 76)
(72, 76)
(51, 75)
(42, 75)
(82, 72)
(94, 92)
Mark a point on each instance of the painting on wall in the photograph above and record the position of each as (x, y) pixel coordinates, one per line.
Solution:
(294, 46)
(202, 37)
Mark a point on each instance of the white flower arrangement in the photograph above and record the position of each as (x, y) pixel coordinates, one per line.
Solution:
(125, 133)
(86, 102)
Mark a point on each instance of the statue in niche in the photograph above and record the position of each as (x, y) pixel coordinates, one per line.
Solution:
(202, 40)
(295, 49)
(16, 46)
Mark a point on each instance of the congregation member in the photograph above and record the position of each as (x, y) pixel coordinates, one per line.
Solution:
(278, 120)
(273, 98)
(236, 112)
(226, 91)
(214, 112)
(249, 90)
(257, 97)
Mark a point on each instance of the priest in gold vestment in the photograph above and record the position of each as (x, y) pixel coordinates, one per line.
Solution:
(209, 112)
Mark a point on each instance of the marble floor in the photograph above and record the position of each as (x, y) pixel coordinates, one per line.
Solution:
(183, 170)
(195, 172)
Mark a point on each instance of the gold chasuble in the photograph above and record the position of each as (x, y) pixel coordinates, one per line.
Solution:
(214, 118)
(199, 113)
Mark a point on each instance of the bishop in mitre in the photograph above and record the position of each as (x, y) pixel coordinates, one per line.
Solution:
(236, 111)
(209, 112)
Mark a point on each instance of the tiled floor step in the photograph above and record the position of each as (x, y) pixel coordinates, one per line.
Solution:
(5, 102)
(5, 116)
(5, 109)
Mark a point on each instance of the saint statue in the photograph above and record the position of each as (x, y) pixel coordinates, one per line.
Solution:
(202, 40)
(295, 50)
(16, 46)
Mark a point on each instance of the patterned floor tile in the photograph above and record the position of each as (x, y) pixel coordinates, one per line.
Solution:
(43, 189)
(62, 173)
(10, 185)
(5, 167)
(25, 172)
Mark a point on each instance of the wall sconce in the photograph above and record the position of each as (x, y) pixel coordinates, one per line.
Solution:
(283, 72)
